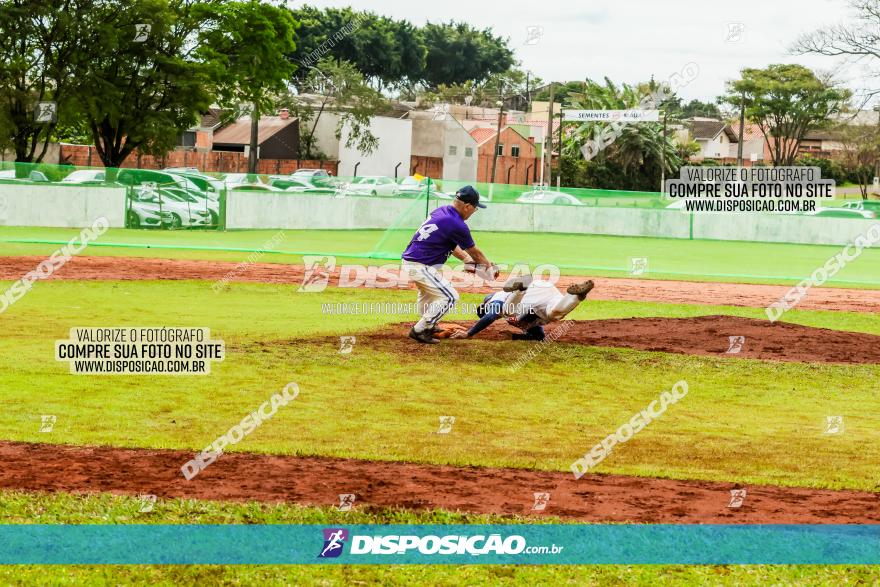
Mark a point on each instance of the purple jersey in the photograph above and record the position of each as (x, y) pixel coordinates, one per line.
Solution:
(438, 236)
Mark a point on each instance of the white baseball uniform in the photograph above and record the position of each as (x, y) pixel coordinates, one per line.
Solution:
(542, 299)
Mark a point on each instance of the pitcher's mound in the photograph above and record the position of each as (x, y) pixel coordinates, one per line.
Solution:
(711, 335)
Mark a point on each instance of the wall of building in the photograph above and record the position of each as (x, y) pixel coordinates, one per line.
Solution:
(520, 170)
(428, 166)
(214, 162)
(325, 134)
(427, 137)
(715, 148)
(462, 165)
(53, 152)
(395, 145)
(63, 206)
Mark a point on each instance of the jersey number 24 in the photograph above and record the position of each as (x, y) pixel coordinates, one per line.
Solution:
(425, 230)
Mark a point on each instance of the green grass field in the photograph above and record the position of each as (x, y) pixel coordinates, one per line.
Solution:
(609, 256)
(755, 422)
(772, 412)
(26, 508)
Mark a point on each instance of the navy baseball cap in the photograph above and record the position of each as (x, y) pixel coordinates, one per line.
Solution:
(469, 195)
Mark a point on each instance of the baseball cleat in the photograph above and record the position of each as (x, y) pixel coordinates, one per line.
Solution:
(580, 289)
(520, 283)
(424, 337)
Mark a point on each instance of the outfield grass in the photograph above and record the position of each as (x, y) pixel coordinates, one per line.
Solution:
(37, 508)
(730, 261)
(743, 420)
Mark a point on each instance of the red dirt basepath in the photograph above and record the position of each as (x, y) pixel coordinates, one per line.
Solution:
(607, 288)
(319, 481)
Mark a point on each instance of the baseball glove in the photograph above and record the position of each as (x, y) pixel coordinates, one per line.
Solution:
(447, 330)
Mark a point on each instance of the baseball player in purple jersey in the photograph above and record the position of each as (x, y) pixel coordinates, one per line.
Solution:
(444, 233)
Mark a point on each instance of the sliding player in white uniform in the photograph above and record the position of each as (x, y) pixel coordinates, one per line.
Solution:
(528, 305)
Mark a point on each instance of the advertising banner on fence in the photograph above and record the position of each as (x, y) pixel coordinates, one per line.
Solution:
(637, 115)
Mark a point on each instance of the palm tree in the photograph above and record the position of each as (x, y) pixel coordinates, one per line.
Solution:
(637, 148)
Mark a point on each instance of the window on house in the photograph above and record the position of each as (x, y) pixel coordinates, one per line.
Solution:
(514, 150)
(500, 150)
(468, 152)
(188, 139)
(453, 150)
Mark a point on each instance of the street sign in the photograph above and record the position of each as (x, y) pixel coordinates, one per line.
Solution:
(611, 115)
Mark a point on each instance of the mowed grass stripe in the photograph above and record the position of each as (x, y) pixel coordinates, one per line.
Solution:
(743, 420)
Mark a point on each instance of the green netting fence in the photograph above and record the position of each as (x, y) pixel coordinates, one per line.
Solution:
(173, 207)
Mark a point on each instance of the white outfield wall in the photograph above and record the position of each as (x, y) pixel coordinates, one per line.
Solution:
(58, 205)
(291, 211)
(79, 207)
(296, 211)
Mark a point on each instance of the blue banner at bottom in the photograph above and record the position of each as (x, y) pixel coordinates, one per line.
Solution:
(565, 544)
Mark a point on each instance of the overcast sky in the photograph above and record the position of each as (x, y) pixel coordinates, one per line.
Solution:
(629, 40)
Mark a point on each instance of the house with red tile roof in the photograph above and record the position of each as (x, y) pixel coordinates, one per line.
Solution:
(517, 162)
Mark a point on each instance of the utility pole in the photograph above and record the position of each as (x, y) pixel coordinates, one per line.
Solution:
(528, 94)
(558, 159)
(742, 125)
(547, 151)
(500, 104)
(663, 157)
(254, 146)
(877, 161)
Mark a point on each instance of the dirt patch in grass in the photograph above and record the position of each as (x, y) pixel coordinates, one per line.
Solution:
(704, 335)
(320, 481)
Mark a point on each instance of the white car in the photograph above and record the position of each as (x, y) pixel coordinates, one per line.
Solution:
(843, 213)
(247, 181)
(86, 177)
(147, 202)
(311, 174)
(204, 209)
(548, 197)
(373, 185)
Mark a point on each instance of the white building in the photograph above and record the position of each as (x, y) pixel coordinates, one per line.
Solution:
(390, 157)
(440, 137)
(715, 137)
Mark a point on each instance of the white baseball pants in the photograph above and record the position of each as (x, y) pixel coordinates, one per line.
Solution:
(436, 294)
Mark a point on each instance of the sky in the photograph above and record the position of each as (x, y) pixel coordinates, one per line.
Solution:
(629, 40)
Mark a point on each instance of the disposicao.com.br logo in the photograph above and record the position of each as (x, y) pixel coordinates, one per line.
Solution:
(394, 544)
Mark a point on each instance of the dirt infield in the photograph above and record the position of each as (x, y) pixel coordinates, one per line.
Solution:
(646, 290)
(319, 481)
(704, 335)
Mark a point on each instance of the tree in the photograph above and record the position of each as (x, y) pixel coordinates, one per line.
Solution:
(248, 44)
(514, 86)
(560, 92)
(860, 153)
(338, 88)
(40, 46)
(388, 52)
(857, 39)
(622, 156)
(458, 52)
(700, 109)
(140, 86)
(786, 102)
